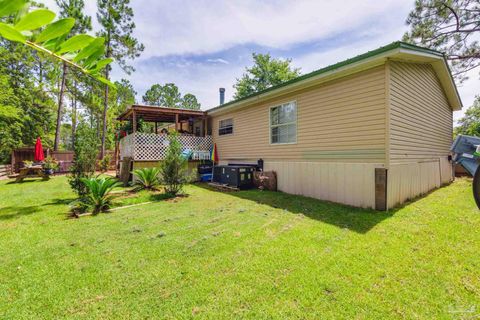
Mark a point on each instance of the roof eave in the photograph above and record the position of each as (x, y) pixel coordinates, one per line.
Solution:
(436, 58)
(311, 81)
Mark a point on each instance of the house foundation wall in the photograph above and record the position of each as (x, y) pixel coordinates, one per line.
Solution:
(347, 183)
(407, 181)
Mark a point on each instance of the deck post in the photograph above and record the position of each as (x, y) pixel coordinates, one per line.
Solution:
(156, 129)
(176, 121)
(204, 129)
(134, 121)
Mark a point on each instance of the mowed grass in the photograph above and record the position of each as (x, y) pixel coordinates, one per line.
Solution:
(249, 254)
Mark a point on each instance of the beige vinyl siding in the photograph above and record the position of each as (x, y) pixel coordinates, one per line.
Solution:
(421, 125)
(421, 118)
(348, 183)
(343, 120)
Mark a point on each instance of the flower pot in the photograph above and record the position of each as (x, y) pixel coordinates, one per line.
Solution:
(48, 171)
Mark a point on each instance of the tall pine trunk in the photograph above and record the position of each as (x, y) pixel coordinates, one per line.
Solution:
(60, 108)
(105, 102)
(74, 114)
(104, 117)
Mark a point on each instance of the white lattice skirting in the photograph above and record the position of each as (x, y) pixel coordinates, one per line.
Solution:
(153, 147)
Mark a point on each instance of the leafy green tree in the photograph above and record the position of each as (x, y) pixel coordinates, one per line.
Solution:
(169, 96)
(28, 23)
(116, 19)
(11, 123)
(174, 167)
(189, 101)
(84, 159)
(470, 123)
(123, 96)
(265, 73)
(83, 23)
(24, 75)
(450, 26)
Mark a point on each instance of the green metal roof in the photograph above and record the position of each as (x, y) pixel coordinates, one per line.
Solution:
(369, 54)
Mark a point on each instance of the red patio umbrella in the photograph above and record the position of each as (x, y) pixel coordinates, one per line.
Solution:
(39, 156)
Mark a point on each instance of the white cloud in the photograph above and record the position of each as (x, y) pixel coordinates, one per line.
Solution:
(186, 40)
(218, 60)
(206, 26)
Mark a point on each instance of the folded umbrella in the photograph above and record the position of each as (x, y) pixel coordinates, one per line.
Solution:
(39, 156)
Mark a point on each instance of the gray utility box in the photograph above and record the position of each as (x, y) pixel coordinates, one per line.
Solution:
(235, 176)
(465, 152)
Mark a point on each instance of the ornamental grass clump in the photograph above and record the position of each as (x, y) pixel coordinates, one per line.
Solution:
(146, 179)
(99, 198)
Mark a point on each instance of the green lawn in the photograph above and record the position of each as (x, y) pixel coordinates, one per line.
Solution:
(249, 254)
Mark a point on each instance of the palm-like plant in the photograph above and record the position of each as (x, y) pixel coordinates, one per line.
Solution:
(99, 198)
(146, 178)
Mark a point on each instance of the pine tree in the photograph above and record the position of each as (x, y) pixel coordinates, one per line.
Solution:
(116, 20)
(83, 23)
(450, 26)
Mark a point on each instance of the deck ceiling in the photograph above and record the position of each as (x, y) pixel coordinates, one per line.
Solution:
(160, 114)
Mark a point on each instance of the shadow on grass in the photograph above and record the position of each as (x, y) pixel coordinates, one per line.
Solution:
(160, 196)
(12, 212)
(355, 219)
(60, 201)
(27, 180)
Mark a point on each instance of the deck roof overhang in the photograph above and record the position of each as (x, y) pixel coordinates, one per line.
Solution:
(159, 114)
(396, 51)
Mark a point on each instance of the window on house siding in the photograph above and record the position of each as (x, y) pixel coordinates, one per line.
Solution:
(225, 127)
(283, 123)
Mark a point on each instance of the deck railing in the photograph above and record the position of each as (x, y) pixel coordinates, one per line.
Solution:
(153, 147)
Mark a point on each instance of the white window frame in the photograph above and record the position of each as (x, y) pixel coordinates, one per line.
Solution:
(293, 122)
(226, 134)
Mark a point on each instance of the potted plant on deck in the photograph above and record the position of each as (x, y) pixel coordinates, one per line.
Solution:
(49, 165)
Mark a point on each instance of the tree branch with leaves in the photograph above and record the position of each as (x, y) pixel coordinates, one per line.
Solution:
(450, 26)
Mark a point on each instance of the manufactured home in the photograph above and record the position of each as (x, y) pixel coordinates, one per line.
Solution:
(372, 131)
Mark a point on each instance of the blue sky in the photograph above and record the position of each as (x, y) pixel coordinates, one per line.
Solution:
(202, 45)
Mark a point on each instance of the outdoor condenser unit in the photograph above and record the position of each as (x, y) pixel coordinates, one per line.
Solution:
(234, 176)
(466, 150)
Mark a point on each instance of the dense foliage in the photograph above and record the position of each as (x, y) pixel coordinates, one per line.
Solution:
(26, 108)
(84, 160)
(169, 96)
(265, 73)
(450, 26)
(22, 21)
(470, 123)
(174, 167)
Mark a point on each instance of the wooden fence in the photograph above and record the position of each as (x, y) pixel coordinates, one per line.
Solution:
(64, 158)
(5, 170)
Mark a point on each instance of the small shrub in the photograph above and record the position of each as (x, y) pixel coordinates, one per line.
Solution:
(99, 189)
(27, 163)
(50, 163)
(146, 178)
(104, 164)
(84, 159)
(174, 167)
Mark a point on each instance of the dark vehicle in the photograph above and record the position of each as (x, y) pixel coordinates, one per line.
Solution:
(466, 151)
